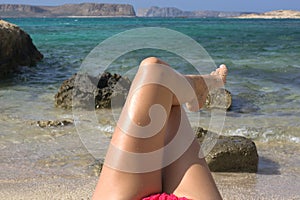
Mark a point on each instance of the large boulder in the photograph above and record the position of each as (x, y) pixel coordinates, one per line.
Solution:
(230, 153)
(16, 49)
(88, 92)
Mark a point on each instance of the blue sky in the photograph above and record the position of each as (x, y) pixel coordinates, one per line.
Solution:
(220, 5)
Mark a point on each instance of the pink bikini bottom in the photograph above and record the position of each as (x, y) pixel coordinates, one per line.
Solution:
(164, 196)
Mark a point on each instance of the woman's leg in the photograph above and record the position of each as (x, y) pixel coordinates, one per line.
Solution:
(189, 176)
(118, 182)
(114, 182)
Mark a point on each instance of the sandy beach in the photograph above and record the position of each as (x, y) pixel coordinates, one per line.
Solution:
(231, 186)
(71, 175)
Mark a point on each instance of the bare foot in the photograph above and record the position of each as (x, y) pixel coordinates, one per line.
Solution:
(202, 84)
(222, 72)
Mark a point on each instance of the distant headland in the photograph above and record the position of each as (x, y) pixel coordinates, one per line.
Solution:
(126, 10)
(67, 10)
(175, 12)
(277, 14)
(155, 11)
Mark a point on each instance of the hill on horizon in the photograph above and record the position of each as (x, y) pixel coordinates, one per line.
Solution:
(126, 10)
(67, 10)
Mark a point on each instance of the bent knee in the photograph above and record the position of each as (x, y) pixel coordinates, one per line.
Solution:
(152, 60)
(154, 67)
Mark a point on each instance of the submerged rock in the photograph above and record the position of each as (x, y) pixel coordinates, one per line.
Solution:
(53, 123)
(219, 98)
(16, 49)
(89, 92)
(231, 154)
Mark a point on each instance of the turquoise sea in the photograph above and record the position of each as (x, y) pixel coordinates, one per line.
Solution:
(263, 58)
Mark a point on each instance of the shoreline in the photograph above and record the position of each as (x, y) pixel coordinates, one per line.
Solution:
(96, 17)
(61, 17)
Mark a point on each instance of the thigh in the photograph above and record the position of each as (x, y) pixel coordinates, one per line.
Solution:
(189, 176)
(119, 185)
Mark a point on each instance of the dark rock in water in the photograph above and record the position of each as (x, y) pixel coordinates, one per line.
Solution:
(16, 49)
(83, 92)
(52, 123)
(231, 154)
(219, 98)
(111, 90)
(63, 98)
(89, 92)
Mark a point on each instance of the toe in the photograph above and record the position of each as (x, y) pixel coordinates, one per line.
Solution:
(222, 66)
(222, 70)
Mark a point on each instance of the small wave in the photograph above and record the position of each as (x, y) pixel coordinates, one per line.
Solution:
(106, 128)
(245, 132)
(293, 139)
(266, 134)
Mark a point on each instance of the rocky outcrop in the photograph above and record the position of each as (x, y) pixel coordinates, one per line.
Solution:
(162, 12)
(278, 14)
(231, 154)
(16, 48)
(17, 10)
(67, 10)
(175, 12)
(89, 92)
